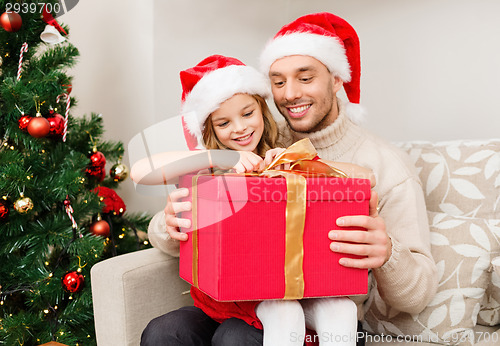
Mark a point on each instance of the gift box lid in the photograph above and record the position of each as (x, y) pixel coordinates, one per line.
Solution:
(265, 189)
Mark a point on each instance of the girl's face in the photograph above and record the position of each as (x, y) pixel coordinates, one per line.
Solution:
(238, 123)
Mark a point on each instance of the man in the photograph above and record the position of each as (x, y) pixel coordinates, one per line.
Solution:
(308, 62)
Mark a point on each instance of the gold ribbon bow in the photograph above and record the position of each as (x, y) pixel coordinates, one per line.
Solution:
(300, 156)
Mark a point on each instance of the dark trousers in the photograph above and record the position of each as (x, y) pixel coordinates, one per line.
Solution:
(190, 326)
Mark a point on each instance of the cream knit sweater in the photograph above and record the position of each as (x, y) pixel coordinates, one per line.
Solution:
(408, 280)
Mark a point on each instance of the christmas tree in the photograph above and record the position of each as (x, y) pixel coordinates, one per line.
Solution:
(59, 212)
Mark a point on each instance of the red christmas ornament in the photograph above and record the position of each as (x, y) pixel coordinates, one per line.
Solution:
(101, 174)
(11, 21)
(97, 159)
(73, 281)
(96, 172)
(4, 209)
(38, 127)
(56, 122)
(24, 122)
(96, 166)
(100, 227)
(112, 202)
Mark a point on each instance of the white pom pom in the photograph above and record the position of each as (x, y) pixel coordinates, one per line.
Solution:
(355, 112)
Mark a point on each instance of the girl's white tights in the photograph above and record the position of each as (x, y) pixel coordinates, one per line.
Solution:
(283, 321)
(334, 320)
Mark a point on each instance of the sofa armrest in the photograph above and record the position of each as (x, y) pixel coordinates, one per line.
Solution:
(129, 290)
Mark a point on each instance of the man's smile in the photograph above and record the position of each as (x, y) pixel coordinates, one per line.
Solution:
(298, 111)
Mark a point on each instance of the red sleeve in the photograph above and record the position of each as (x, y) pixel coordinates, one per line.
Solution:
(221, 311)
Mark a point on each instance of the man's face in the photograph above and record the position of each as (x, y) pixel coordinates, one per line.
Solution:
(304, 92)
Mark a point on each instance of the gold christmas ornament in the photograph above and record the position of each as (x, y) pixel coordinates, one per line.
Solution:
(23, 205)
(119, 172)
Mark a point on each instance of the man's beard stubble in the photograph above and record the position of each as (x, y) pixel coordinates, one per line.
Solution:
(318, 122)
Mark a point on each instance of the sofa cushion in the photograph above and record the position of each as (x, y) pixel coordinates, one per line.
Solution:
(459, 177)
(462, 177)
(463, 248)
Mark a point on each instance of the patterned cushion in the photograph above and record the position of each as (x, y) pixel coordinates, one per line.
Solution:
(459, 178)
(461, 182)
(462, 178)
(463, 248)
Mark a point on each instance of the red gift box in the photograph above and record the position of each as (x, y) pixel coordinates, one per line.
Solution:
(239, 248)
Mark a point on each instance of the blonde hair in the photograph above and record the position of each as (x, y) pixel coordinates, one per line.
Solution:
(269, 139)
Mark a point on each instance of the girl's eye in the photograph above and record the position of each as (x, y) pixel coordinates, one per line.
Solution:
(248, 114)
(224, 124)
(306, 79)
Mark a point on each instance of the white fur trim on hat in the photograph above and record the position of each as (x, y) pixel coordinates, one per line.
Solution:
(218, 86)
(327, 49)
(355, 112)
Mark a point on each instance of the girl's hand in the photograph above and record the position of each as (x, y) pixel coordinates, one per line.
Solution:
(248, 162)
(270, 155)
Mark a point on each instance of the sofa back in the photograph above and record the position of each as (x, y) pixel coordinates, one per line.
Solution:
(461, 183)
(459, 178)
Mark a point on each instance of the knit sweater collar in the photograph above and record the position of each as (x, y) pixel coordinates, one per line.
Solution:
(337, 138)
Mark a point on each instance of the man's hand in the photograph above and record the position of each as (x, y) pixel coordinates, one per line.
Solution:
(173, 207)
(373, 244)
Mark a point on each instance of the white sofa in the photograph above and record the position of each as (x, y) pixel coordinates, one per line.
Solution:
(461, 180)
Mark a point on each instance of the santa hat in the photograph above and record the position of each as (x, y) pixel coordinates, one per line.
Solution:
(325, 37)
(210, 83)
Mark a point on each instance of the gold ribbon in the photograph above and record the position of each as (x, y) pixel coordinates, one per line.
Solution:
(300, 156)
(294, 245)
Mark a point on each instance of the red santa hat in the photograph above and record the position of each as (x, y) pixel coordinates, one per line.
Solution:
(325, 37)
(210, 83)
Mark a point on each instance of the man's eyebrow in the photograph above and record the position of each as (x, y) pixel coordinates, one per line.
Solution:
(306, 68)
(298, 70)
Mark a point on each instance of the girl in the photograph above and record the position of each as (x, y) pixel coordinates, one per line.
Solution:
(224, 107)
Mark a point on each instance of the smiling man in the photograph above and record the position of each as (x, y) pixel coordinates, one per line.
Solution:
(303, 91)
(308, 61)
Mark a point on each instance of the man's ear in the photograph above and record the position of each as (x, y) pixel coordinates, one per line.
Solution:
(337, 83)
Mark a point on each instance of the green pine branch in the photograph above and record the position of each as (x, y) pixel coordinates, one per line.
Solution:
(39, 246)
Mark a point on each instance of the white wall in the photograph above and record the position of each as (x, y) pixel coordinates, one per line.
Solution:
(114, 75)
(430, 69)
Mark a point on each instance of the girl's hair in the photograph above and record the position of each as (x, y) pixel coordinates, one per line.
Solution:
(269, 139)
